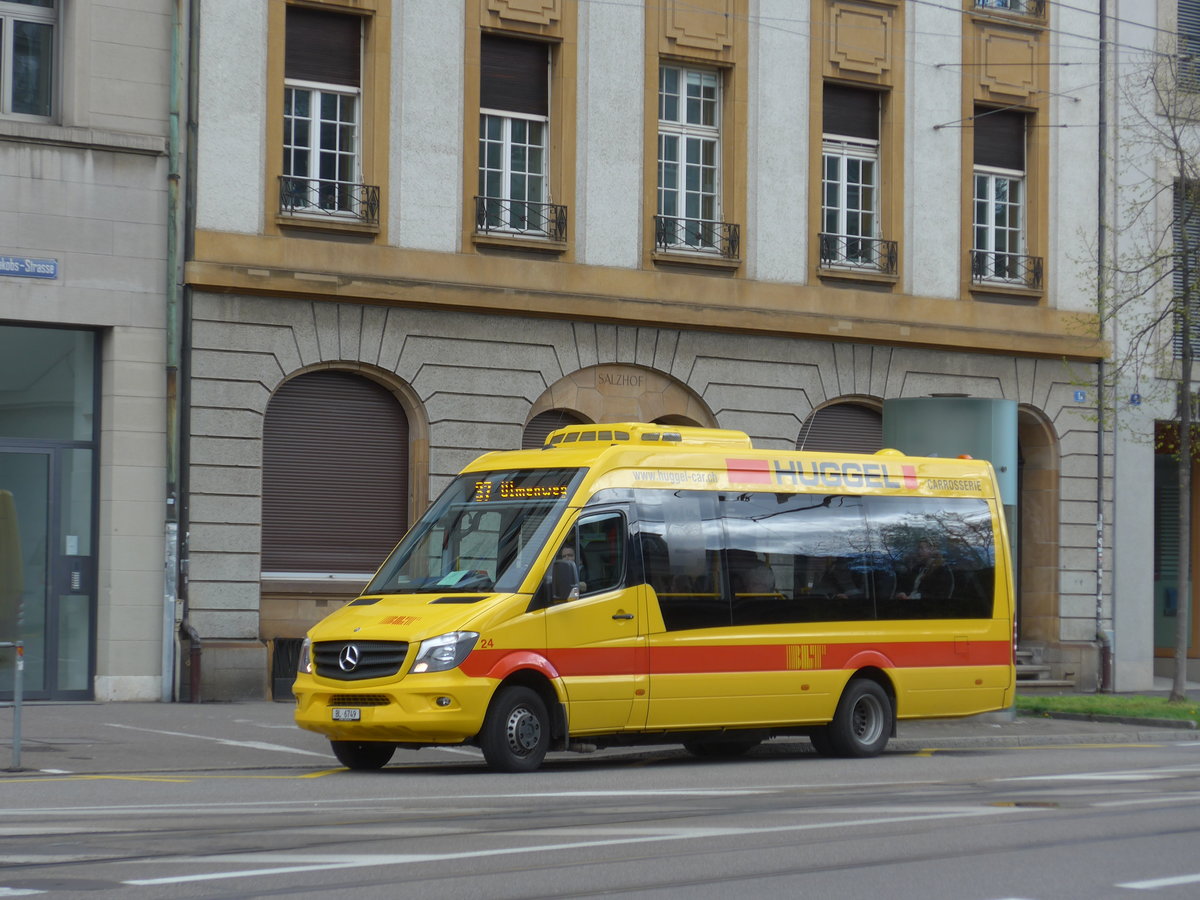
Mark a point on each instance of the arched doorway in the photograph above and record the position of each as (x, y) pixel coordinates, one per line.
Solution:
(335, 476)
(545, 422)
(620, 393)
(843, 427)
(1037, 548)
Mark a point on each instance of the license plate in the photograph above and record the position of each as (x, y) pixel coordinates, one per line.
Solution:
(346, 715)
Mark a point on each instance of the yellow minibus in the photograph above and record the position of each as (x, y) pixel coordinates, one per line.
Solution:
(638, 583)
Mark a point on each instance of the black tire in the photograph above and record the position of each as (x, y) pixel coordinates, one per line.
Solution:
(863, 721)
(516, 731)
(720, 749)
(363, 755)
(822, 743)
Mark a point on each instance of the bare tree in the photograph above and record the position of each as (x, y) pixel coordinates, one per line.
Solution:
(1150, 291)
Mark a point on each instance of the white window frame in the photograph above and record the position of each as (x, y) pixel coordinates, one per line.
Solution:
(20, 12)
(695, 228)
(846, 251)
(1011, 271)
(511, 213)
(344, 204)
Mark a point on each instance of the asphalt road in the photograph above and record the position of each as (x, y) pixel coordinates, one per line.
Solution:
(1088, 820)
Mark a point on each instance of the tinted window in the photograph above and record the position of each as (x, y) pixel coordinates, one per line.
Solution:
(681, 551)
(716, 559)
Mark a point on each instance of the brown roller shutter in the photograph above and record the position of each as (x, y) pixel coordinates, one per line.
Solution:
(323, 46)
(1000, 138)
(843, 428)
(513, 76)
(544, 423)
(335, 475)
(851, 112)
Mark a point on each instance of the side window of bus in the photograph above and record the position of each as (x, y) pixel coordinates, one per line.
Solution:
(940, 554)
(681, 553)
(596, 546)
(797, 558)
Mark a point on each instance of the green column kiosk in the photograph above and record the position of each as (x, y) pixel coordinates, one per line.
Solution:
(950, 426)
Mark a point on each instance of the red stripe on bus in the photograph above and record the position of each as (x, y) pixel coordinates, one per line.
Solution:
(699, 659)
(748, 471)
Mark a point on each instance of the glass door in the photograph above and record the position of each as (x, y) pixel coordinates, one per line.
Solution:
(47, 569)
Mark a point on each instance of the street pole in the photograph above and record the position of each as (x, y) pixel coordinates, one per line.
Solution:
(18, 676)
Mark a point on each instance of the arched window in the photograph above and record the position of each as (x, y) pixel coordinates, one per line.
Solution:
(335, 475)
(842, 428)
(545, 422)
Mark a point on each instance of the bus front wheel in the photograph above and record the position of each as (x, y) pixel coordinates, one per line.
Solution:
(363, 755)
(863, 721)
(516, 731)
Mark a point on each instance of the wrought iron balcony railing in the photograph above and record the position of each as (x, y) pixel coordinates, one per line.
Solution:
(1024, 7)
(340, 199)
(520, 217)
(843, 251)
(697, 236)
(1006, 268)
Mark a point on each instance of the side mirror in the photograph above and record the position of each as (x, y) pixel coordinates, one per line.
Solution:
(564, 581)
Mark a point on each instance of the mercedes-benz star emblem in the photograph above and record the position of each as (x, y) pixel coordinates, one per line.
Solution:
(348, 658)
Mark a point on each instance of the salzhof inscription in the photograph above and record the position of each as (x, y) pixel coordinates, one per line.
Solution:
(616, 378)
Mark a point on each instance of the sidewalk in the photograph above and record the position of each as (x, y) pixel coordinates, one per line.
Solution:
(124, 738)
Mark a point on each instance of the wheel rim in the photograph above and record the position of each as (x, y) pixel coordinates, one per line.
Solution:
(867, 720)
(524, 731)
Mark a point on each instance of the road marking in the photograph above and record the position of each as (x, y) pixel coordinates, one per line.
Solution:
(1156, 883)
(18, 892)
(252, 745)
(1126, 775)
(1190, 797)
(286, 863)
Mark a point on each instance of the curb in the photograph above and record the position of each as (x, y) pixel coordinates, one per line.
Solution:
(1183, 724)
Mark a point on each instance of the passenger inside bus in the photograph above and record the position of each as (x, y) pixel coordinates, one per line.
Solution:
(925, 575)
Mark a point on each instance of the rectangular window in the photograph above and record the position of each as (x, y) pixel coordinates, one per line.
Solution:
(1188, 44)
(720, 559)
(321, 129)
(1025, 7)
(689, 153)
(850, 183)
(514, 119)
(28, 57)
(1186, 265)
(998, 251)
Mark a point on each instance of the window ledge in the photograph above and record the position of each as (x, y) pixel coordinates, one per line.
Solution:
(329, 224)
(699, 260)
(518, 242)
(868, 276)
(75, 136)
(1001, 291)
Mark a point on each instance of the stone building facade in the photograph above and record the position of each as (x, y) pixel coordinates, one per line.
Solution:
(85, 171)
(473, 220)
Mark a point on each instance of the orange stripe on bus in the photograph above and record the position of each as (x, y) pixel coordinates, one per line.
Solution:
(718, 658)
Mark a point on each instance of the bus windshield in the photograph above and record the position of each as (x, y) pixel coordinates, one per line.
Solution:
(481, 535)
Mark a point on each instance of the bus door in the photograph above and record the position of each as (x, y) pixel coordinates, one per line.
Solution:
(597, 638)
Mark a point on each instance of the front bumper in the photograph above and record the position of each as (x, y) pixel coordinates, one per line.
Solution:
(405, 711)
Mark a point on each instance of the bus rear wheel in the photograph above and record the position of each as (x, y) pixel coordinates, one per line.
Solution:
(363, 755)
(516, 731)
(863, 721)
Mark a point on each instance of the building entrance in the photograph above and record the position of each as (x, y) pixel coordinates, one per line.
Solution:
(47, 510)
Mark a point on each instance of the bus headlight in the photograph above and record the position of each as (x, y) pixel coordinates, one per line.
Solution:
(445, 651)
(304, 661)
